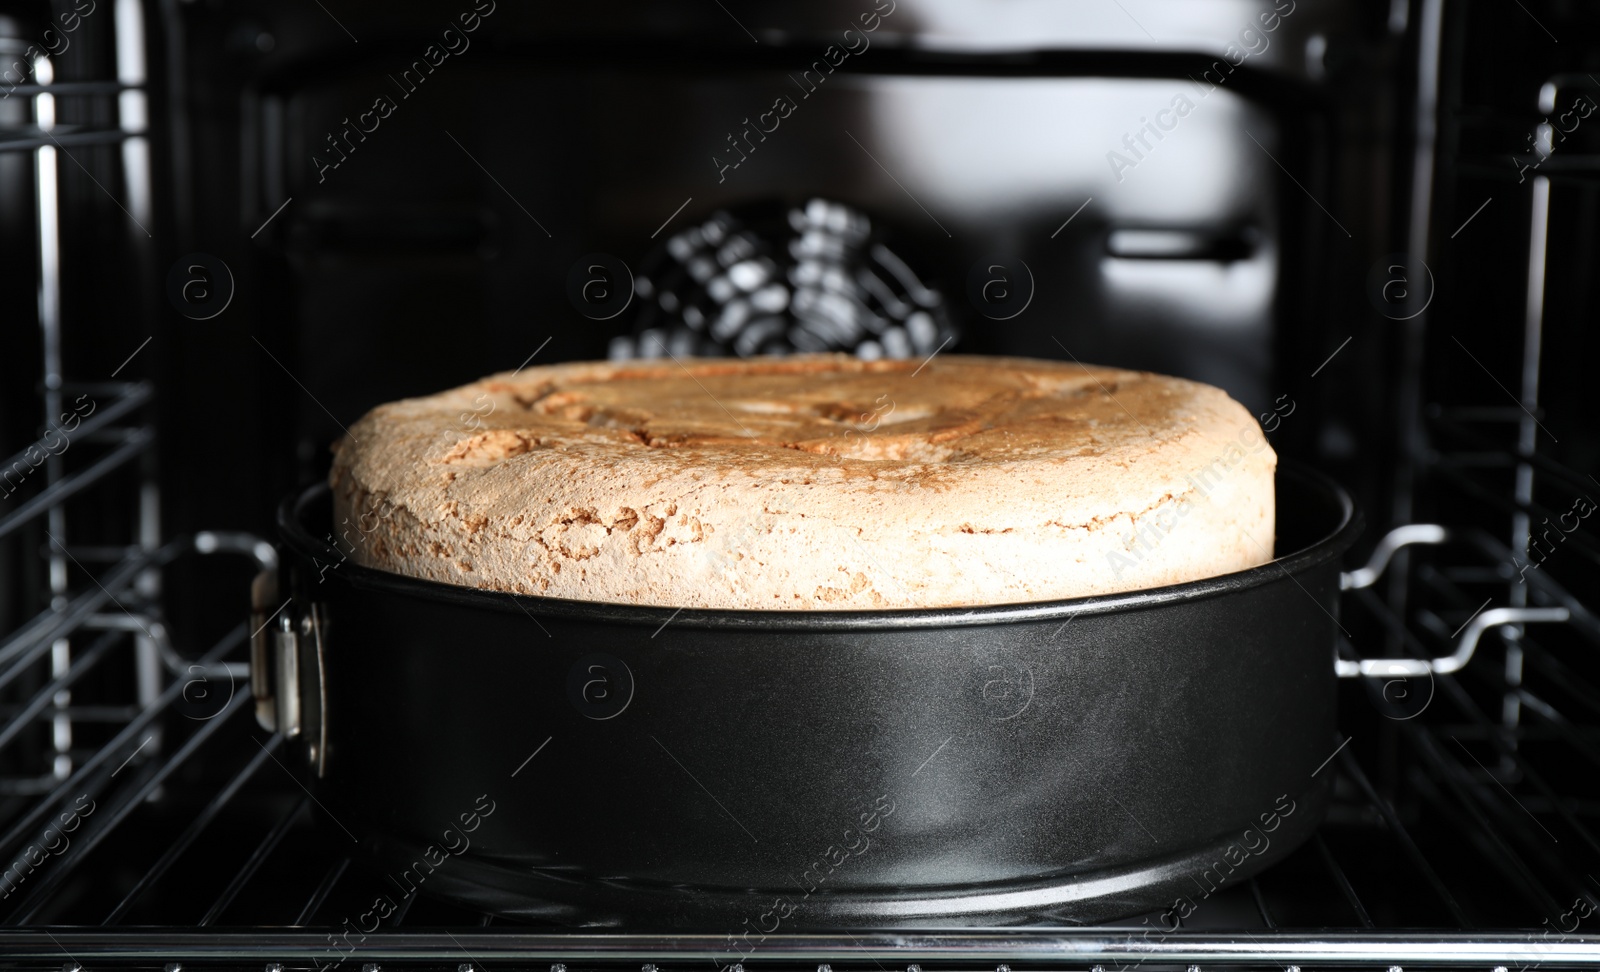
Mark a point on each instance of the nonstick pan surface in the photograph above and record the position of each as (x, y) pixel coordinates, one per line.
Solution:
(603, 764)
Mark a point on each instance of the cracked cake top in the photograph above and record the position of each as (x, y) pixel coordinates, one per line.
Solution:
(809, 483)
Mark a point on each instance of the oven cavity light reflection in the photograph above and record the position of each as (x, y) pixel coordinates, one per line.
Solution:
(1317, 57)
(44, 105)
(132, 107)
(1547, 98)
(1178, 244)
(49, 296)
(1399, 18)
(1242, 289)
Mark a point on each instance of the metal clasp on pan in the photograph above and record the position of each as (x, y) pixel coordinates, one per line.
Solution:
(287, 672)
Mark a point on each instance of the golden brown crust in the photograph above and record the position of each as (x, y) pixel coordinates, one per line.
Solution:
(810, 482)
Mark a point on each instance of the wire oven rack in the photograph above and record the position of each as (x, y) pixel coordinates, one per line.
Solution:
(1463, 831)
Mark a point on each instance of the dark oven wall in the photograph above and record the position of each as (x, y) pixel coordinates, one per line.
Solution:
(415, 264)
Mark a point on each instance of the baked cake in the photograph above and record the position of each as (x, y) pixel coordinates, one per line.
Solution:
(809, 483)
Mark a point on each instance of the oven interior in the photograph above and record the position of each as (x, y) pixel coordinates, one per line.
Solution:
(1396, 276)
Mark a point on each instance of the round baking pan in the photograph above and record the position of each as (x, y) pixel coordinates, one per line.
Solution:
(604, 764)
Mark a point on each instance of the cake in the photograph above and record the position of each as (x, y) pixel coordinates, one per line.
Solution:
(809, 483)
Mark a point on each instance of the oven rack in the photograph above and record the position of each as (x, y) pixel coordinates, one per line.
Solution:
(1461, 835)
(85, 495)
(1354, 939)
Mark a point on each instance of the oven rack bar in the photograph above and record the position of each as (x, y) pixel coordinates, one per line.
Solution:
(1466, 792)
(1453, 422)
(81, 713)
(1573, 683)
(125, 743)
(1456, 467)
(253, 863)
(46, 646)
(1562, 725)
(1463, 803)
(1342, 881)
(135, 442)
(207, 816)
(1475, 798)
(30, 641)
(147, 786)
(323, 890)
(1350, 662)
(74, 89)
(1559, 169)
(125, 397)
(1034, 948)
(1261, 904)
(139, 440)
(81, 665)
(27, 139)
(1408, 844)
(35, 637)
(1455, 473)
